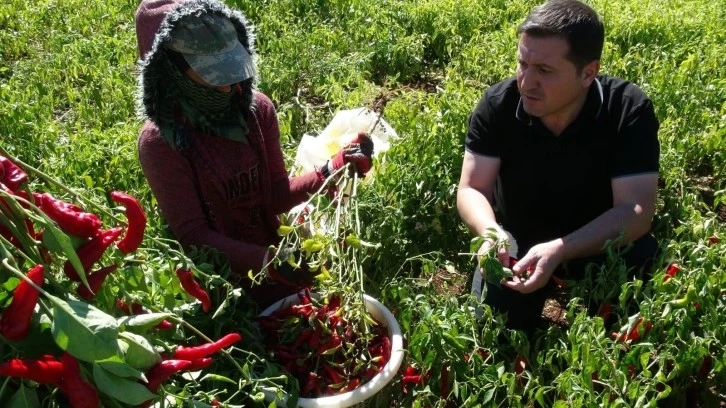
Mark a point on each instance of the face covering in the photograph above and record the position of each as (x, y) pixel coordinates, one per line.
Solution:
(206, 109)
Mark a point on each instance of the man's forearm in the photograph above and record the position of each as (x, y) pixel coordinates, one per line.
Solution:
(590, 239)
(476, 211)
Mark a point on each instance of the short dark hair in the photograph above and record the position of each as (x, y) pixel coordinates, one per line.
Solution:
(573, 20)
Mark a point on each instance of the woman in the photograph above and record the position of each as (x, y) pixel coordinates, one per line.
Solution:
(210, 147)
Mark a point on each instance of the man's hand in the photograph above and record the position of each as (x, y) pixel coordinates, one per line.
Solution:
(501, 251)
(359, 152)
(495, 242)
(540, 261)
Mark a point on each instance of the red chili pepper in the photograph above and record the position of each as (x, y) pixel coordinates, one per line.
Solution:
(412, 379)
(445, 382)
(95, 280)
(136, 222)
(123, 307)
(331, 345)
(12, 175)
(303, 338)
(81, 393)
(163, 370)
(637, 332)
(385, 350)
(304, 297)
(91, 251)
(69, 217)
(15, 321)
(44, 370)
(269, 323)
(311, 386)
(204, 350)
(192, 287)
(705, 368)
(164, 325)
(606, 311)
(200, 364)
(671, 272)
(353, 383)
(333, 376)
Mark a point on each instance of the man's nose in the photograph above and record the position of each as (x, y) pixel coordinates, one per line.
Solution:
(527, 79)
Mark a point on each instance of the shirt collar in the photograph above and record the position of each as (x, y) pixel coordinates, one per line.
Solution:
(595, 87)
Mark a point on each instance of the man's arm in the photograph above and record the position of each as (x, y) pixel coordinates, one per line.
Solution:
(634, 199)
(474, 196)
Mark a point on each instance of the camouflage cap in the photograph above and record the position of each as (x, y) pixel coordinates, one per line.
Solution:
(211, 47)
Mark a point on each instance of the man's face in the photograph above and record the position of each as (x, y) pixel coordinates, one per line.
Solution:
(549, 84)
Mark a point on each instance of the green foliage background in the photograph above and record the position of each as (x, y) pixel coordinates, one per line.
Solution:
(67, 107)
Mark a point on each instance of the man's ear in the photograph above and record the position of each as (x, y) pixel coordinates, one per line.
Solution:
(589, 72)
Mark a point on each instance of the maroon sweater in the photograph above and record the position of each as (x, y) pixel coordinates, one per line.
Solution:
(225, 194)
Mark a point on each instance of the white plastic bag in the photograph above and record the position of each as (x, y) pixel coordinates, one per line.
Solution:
(344, 127)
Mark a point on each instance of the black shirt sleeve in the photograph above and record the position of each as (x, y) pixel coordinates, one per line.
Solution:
(638, 150)
(480, 138)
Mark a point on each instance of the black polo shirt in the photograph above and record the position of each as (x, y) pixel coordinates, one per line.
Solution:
(552, 185)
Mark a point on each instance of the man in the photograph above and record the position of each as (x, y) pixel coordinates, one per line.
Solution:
(562, 158)
(210, 146)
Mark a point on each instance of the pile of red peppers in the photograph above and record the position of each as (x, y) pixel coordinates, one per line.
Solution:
(321, 349)
(91, 241)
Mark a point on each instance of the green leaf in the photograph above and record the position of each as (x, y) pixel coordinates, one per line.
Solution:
(143, 321)
(121, 369)
(138, 352)
(475, 244)
(57, 241)
(84, 331)
(488, 395)
(494, 271)
(126, 391)
(24, 398)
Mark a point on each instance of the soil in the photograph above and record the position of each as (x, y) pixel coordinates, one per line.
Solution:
(453, 283)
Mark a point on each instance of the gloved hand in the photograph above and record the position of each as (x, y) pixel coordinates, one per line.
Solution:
(358, 152)
(289, 268)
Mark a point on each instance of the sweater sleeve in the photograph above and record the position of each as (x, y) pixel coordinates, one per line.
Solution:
(171, 179)
(288, 191)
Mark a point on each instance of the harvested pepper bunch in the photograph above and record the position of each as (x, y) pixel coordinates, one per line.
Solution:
(192, 287)
(136, 222)
(70, 218)
(320, 347)
(46, 369)
(81, 393)
(90, 252)
(11, 174)
(16, 318)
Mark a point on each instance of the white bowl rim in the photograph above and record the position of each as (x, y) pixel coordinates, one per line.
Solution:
(380, 380)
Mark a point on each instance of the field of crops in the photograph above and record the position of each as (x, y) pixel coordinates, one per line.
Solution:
(68, 114)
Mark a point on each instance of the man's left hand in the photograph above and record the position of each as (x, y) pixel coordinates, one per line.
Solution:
(534, 270)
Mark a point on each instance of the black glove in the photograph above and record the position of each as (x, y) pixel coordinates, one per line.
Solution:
(289, 268)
